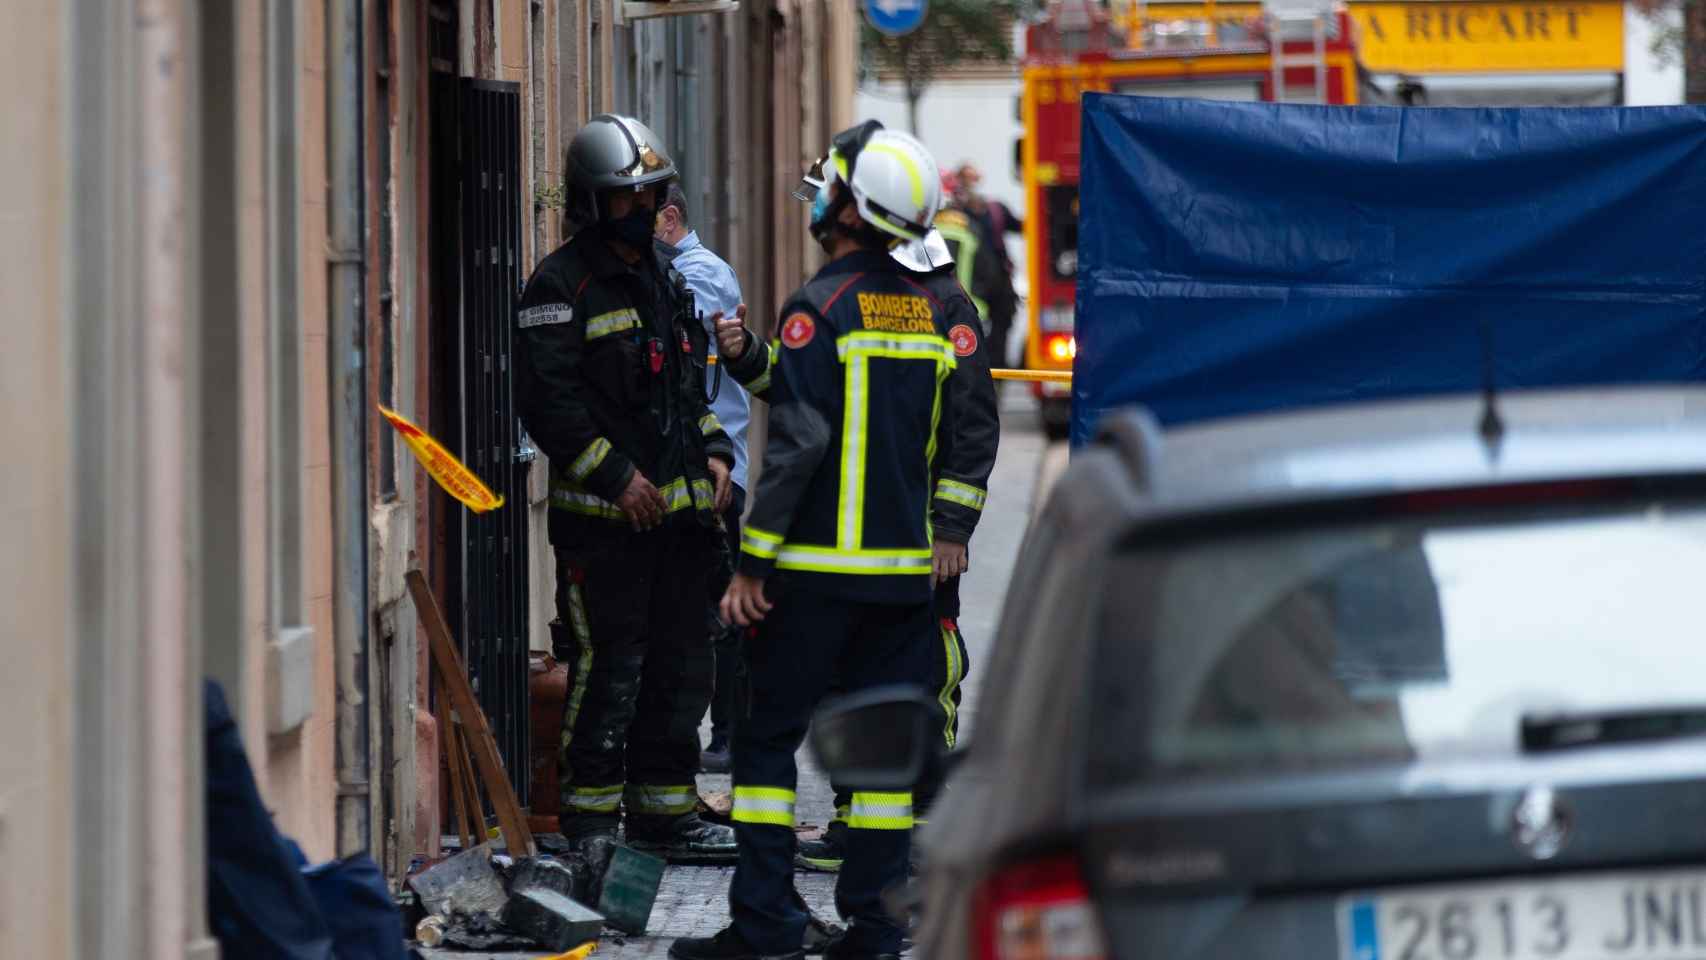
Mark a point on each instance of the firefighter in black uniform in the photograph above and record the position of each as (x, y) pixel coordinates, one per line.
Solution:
(835, 565)
(959, 487)
(610, 384)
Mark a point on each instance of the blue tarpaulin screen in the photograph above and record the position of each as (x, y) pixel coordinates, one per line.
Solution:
(1239, 257)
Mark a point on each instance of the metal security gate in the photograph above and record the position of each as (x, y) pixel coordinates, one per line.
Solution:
(477, 204)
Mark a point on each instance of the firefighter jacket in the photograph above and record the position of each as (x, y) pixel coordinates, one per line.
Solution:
(610, 378)
(976, 258)
(859, 408)
(967, 457)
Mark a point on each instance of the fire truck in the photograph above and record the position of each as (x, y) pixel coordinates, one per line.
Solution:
(1296, 51)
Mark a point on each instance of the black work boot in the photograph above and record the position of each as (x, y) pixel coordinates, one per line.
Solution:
(836, 954)
(728, 944)
(715, 758)
(826, 852)
(583, 830)
(821, 935)
(683, 839)
(838, 950)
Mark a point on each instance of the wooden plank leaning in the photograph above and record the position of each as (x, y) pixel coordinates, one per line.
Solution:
(453, 765)
(481, 744)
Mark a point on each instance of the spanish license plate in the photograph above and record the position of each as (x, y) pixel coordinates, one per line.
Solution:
(1637, 915)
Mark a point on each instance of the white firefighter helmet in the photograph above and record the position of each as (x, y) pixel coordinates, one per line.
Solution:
(895, 184)
(926, 255)
(888, 176)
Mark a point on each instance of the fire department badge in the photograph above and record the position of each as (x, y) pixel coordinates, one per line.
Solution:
(964, 339)
(797, 330)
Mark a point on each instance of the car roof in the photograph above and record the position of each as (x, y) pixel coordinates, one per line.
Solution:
(1397, 446)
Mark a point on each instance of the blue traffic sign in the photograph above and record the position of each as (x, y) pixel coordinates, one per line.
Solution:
(895, 17)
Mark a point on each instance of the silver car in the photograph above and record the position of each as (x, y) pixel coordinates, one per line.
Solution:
(1382, 682)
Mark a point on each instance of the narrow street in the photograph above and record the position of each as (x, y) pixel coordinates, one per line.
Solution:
(693, 901)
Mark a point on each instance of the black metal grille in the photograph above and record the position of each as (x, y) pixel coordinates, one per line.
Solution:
(478, 122)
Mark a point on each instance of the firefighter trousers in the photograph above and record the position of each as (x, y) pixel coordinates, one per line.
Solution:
(727, 639)
(809, 643)
(640, 676)
(948, 661)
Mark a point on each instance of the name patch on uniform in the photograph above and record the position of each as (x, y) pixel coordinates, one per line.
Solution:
(896, 313)
(798, 330)
(546, 314)
(964, 339)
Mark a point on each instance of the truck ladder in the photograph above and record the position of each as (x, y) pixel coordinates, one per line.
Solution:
(1290, 22)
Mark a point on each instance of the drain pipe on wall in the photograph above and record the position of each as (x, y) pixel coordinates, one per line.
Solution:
(346, 350)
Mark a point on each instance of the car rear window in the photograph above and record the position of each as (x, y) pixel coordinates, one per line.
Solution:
(1392, 641)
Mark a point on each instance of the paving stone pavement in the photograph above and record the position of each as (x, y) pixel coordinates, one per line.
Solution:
(693, 901)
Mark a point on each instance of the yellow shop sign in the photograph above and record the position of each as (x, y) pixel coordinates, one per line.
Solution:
(1433, 37)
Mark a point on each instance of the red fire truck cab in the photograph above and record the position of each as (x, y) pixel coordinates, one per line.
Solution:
(1218, 51)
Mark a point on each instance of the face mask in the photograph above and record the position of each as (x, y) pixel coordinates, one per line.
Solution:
(636, 228)
(820, 207)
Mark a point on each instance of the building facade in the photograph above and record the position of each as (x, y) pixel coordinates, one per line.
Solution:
(234, 230)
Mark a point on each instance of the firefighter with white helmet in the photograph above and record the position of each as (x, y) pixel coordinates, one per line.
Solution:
(960, 486)
(836, 559)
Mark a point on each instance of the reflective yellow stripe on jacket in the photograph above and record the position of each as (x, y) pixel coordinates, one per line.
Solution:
(762, 382)
(759, 543)
(796, 556)
(848, 555)
(963, 494)
(615, 321)
(677, 494)
(589, 459)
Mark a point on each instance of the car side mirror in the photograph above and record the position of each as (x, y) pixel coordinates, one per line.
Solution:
(878, 739)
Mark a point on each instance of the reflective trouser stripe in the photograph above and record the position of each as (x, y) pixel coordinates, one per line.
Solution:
(582, 630)
(831, 560)
(589, 459)
(594, 799)
(955, 672)
(759, 543)
(709, 424)
(672, 799)
(881, 811)
(963, 494)
(773, 806)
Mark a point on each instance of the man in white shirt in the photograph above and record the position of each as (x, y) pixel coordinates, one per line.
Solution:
(715, 290)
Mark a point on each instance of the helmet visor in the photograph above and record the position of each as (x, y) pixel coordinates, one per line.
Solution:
(812, 183)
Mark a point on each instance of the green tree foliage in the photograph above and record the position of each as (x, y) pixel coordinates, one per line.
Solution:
(1686, 43)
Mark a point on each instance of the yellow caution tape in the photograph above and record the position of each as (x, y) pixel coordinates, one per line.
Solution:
(1046, 376)
(456, 479)
(578, 953)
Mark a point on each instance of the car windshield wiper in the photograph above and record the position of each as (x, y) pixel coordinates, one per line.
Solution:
(1562, 731)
